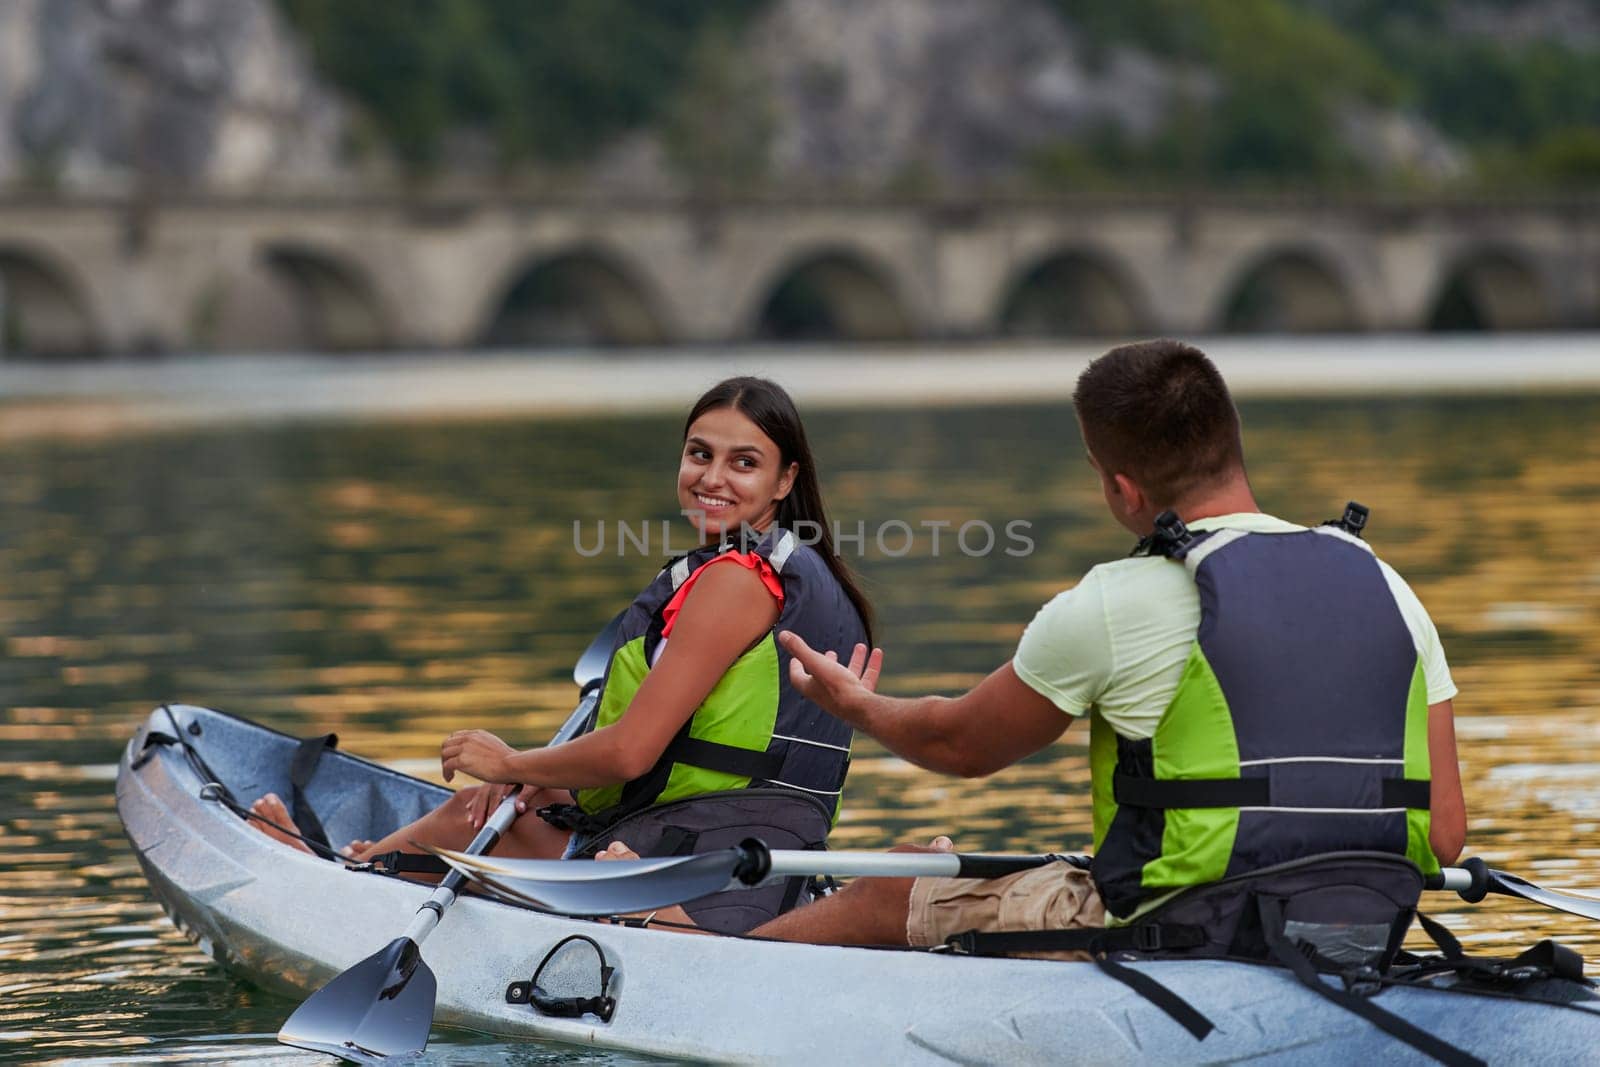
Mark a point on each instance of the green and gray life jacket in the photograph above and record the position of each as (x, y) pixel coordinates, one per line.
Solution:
(1300, 725)
(753, 730)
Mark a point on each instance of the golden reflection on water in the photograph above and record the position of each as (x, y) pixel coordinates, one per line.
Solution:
(395, 582)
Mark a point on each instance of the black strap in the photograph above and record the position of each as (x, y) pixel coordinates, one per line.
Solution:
(1285, 953)
(676, 841)
(152, 739)
(398, 862)
(1139, 937)
(1137, 792)
(727, 759)
(1407, 793)
(301, 767)
(1181, 1011)
(1558, 960)
(1447, 942)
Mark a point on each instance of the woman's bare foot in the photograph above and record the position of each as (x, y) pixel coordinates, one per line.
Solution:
(619, 851)
(277, 822)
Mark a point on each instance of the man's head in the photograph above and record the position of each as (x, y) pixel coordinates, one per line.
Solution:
(1161, 429)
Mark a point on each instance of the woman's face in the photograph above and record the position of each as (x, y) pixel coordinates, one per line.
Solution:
(730, 473)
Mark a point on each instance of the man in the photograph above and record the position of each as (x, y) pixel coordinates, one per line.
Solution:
(1313, 715)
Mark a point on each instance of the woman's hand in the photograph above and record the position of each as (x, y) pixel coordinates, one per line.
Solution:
(482, 800)
(478, 753)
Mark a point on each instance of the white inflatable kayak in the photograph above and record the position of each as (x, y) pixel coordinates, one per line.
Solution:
(290, 921)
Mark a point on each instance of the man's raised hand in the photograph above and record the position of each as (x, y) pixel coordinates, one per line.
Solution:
(822, 678)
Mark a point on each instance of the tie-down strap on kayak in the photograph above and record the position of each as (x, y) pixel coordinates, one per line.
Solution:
(1143, 937)
(1288, 953)
(301, 767)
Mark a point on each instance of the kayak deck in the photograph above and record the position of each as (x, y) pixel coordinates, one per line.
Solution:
(291, 922)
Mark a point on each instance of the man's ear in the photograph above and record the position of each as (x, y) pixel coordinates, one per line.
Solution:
(1128, 491)
(786, 483)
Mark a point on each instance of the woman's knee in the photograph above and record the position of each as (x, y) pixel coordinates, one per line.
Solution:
(461, 800)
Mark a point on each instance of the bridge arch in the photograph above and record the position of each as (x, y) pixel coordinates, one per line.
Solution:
(1072, 292)
(832, 294)
(1290, 290)
(292, 296)
(43, 307)
(1491, 287)
(582, 296)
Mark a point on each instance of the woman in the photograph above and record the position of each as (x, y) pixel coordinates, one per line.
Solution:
(699, 739)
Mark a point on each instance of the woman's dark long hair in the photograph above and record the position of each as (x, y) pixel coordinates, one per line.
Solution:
(766, 404)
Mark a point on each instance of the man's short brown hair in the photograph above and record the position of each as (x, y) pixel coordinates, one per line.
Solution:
(1160, 413)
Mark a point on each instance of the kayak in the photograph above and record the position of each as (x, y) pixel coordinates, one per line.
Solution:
(290, 921)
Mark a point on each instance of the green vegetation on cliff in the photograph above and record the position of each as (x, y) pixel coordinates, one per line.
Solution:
(1528, 111)
(551, 80)
(1277, 86)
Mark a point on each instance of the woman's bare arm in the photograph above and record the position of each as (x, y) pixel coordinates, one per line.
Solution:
(728, 609)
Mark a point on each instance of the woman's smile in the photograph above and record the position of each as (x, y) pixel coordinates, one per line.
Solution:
(730, 475)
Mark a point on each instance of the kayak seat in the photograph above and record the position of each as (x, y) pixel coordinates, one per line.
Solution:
(349, 797)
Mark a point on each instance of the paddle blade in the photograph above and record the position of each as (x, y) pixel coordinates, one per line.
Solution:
(1571, 903)
(600, 887)
(591, 666)
(383, 1006)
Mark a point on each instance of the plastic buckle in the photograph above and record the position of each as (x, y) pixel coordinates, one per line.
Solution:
(1147, 937)
(962, 944)
(1363, 981)
(1354, 519)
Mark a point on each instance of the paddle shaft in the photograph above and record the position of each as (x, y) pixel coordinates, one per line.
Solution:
(1473, 878)
(786, 863)
(432, 910)
(587, 673)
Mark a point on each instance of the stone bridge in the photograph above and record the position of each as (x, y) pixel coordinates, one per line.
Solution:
(429, 271)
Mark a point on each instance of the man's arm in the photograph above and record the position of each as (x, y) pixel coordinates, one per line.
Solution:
(988, 728)
(1447, 821)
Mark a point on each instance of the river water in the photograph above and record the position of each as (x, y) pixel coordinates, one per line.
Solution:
(394, 579)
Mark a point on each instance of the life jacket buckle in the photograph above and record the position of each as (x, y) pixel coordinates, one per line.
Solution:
(1353, 521)
(1170, 538)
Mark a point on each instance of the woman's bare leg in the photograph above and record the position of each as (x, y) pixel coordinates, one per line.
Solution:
(675, 914)
(450, 826)
(447, 826)
(868, 911)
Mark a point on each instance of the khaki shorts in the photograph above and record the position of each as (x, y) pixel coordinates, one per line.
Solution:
(1057, 896)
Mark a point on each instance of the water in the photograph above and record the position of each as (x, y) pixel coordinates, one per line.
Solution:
(393, 580)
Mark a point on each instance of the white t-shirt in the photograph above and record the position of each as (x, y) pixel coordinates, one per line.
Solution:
(1119, 639)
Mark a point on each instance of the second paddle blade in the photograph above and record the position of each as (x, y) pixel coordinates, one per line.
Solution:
(601, 887)
(383, 1006)
(1571, 903)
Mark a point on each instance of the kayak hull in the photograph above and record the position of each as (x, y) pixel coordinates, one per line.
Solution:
(291, 922)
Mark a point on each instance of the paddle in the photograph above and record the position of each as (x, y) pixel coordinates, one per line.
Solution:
(383, 1006)
(619, 886)
(588, 674)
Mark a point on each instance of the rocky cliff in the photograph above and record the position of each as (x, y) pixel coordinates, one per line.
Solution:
(101, 94)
